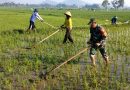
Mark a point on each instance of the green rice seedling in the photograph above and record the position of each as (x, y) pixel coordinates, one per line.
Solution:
(19, 65)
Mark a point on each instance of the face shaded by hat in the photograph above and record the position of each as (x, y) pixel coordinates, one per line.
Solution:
(92, 20)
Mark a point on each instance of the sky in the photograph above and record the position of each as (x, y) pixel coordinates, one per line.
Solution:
(127, 2)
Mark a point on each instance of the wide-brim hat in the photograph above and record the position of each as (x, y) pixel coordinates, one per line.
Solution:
(68, 13)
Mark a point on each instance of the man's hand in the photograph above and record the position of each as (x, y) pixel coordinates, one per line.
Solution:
(62, 26)
(88, 42)
(98, 44)
(42, 20)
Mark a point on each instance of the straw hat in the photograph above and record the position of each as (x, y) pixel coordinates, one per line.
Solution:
(68, 13)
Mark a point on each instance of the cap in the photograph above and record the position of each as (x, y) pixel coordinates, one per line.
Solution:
(92, 20)
(35, 10)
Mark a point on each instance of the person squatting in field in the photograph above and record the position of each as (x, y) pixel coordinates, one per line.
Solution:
(34, 16)
(68, 26)
(114, 20)
(97, 41)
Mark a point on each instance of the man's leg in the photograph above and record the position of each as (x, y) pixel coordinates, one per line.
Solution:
(92, 56)
(69, 34)
(104, 55)
(65, 38)
(93, 60)
(70, 38)
(106, 60)
(33, 27)
(30, 27)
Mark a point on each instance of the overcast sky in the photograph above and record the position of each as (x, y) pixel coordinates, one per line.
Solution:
(127, 2)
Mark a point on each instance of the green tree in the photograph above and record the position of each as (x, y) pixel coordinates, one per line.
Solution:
(121, 3)
(105, 3)
(118, 3)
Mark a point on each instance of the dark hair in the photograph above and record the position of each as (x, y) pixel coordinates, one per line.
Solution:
(35, 10)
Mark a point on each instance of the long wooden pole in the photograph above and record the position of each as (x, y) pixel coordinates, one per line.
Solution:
(47, 36)
(70, 59)
(50, 25)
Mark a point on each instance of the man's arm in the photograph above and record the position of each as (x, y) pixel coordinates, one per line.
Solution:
(104, 36)
(103, 32)
(39, 17)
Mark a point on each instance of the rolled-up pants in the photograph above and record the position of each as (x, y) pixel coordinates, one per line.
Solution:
(68, 35)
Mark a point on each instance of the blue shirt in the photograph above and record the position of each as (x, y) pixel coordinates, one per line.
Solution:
(34, 16)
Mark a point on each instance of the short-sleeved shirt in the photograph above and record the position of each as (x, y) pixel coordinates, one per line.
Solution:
(68, 23)
(96, 35)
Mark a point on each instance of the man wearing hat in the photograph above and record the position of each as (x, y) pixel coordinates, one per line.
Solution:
(34, 16)
(68, 26)
(97, 41)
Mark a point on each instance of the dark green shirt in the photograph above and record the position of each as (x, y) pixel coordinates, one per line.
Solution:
(96, 35)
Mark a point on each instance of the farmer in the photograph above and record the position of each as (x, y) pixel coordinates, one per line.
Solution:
(114, 20)
(68, 26)
(34, 16)
(97, 41)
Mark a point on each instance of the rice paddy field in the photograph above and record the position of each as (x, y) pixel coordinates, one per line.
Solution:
(20, 68)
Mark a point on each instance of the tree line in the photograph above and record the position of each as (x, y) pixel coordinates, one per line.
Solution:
(115, 4)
